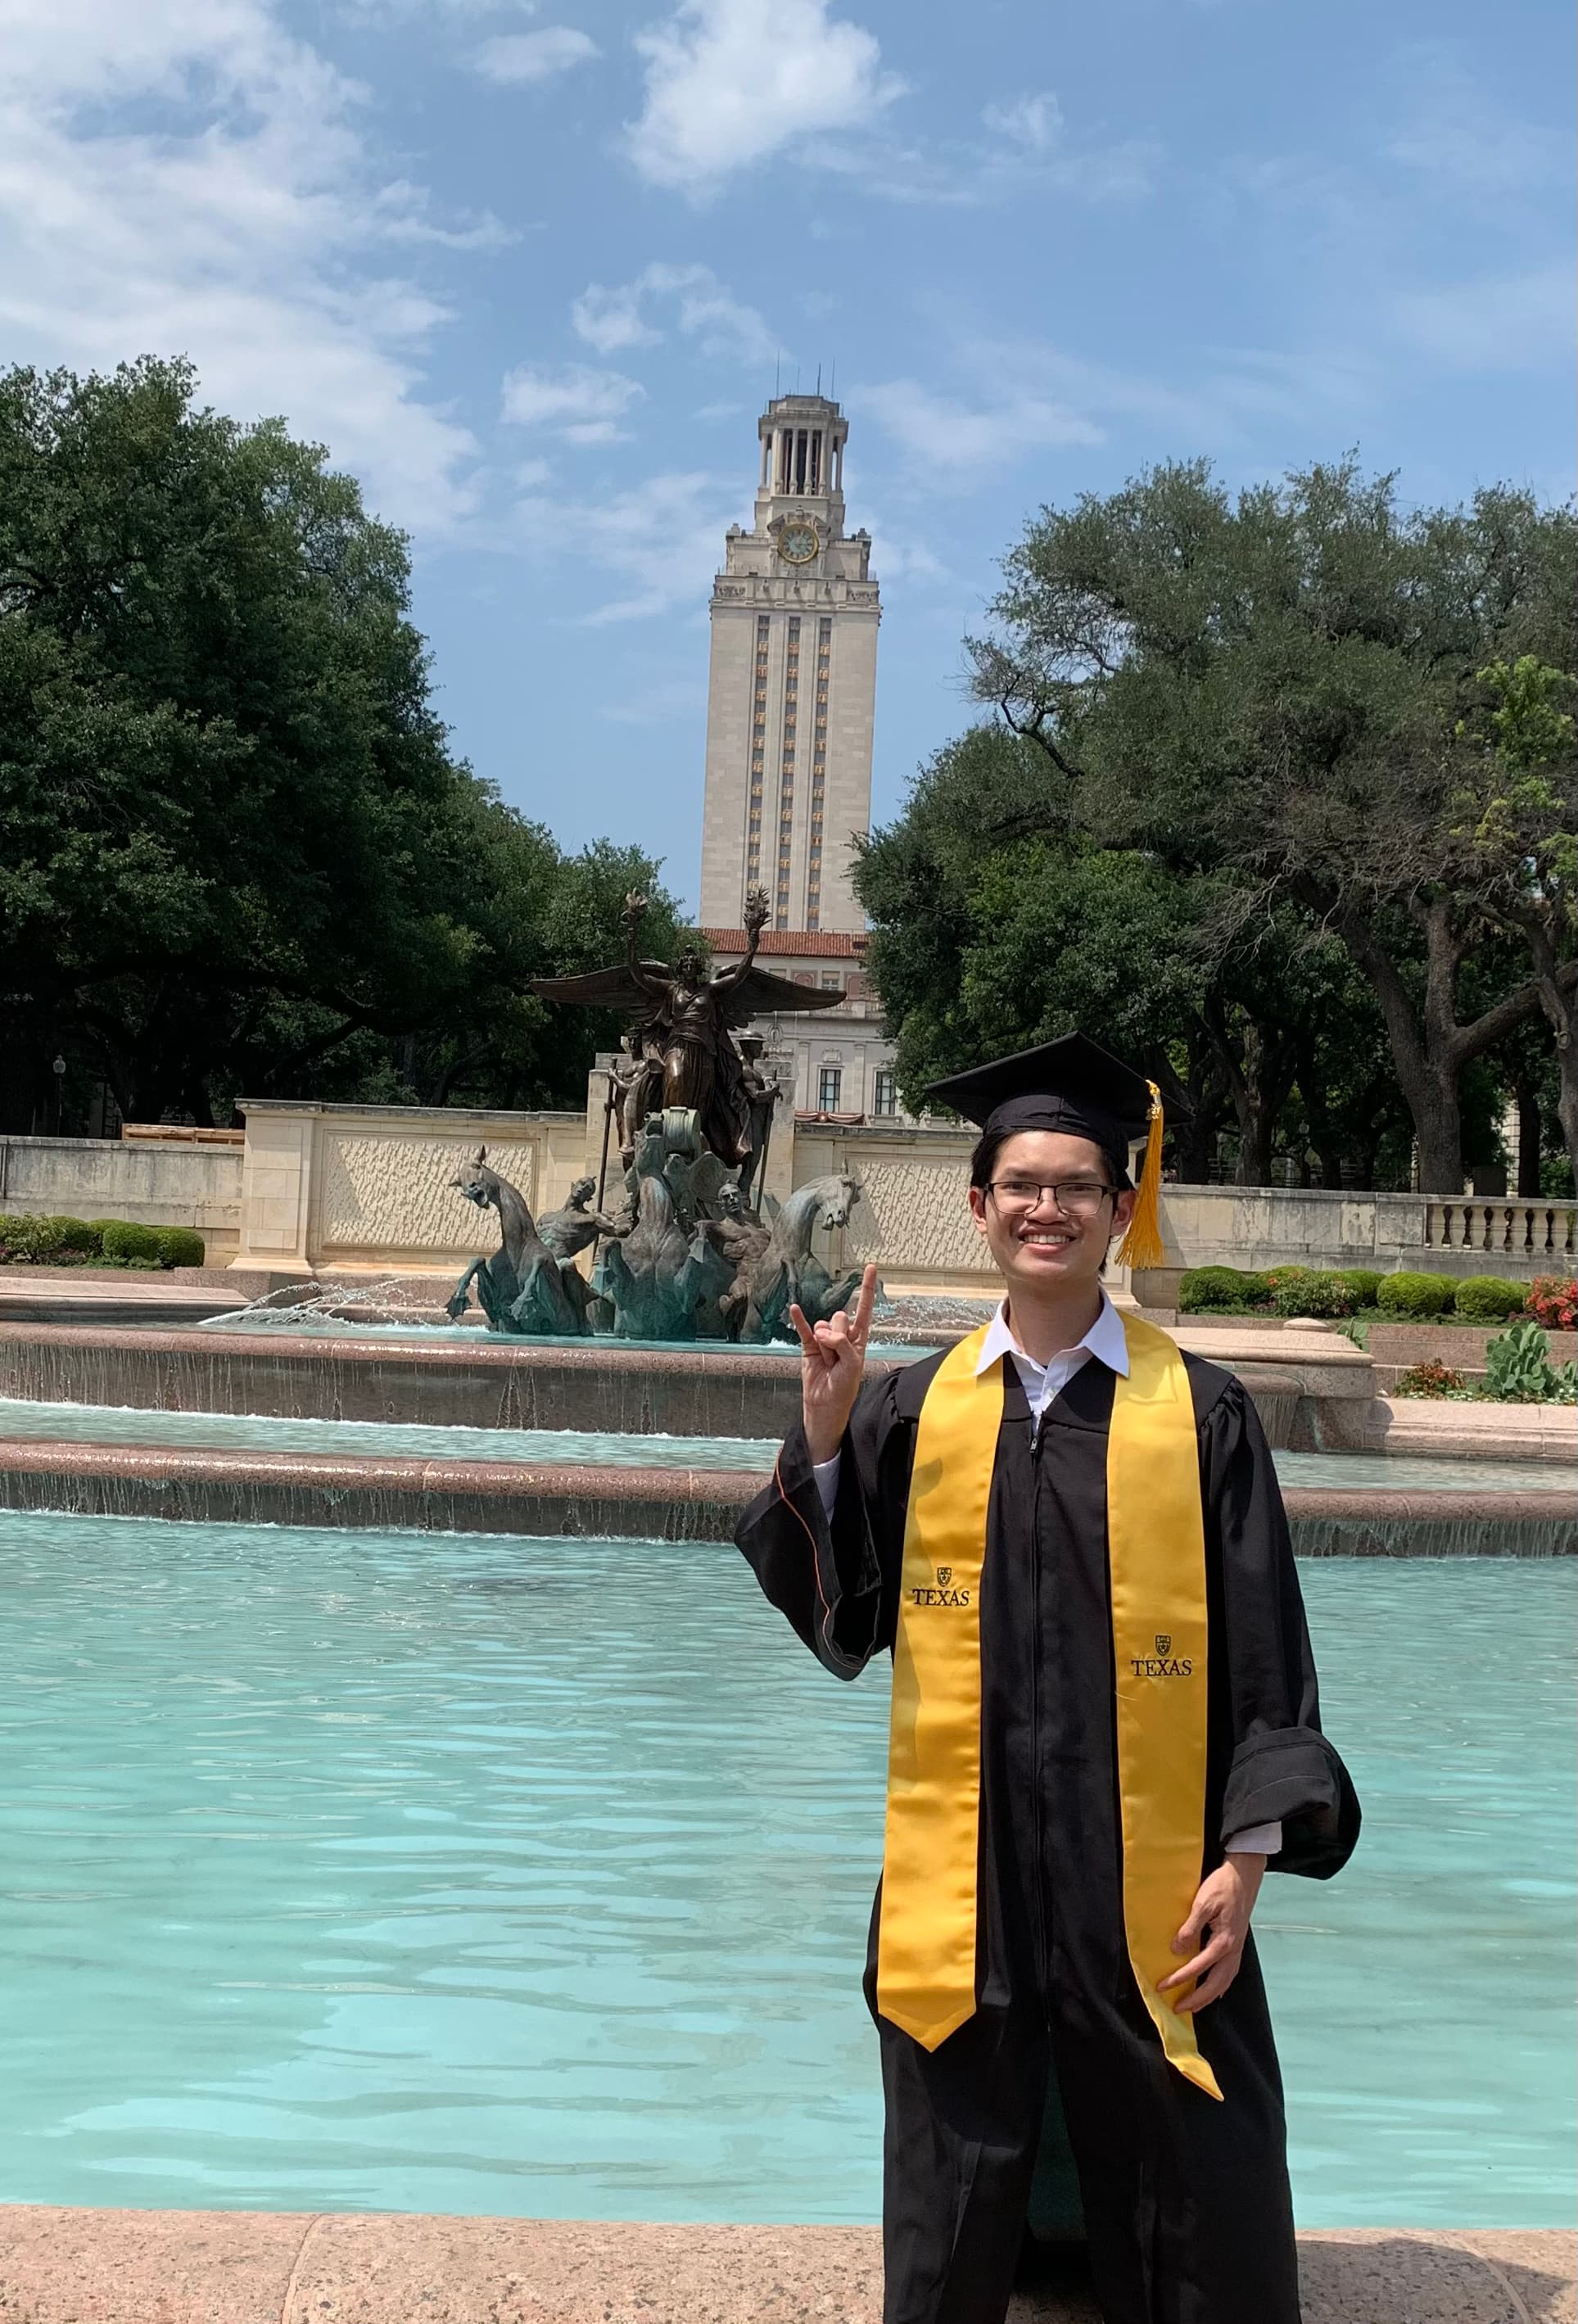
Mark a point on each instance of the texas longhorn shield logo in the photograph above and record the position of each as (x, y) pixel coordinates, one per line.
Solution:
(945, 1574)
(1164, 1642)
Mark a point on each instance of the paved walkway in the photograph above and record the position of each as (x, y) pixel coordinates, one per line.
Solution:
(240, 2267)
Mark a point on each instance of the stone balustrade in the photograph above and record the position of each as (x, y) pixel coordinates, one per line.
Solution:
(1541, 1236)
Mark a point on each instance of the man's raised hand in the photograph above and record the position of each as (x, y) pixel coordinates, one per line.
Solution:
(832, 1361)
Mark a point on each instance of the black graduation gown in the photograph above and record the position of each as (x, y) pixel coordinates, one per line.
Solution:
(1186, 2198)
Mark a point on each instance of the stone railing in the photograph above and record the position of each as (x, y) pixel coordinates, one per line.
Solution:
(1542, 1236)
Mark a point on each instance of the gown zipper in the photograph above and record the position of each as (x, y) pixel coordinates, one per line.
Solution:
(1043, 1949)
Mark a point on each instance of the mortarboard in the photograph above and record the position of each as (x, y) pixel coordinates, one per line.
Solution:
(1074, 1085)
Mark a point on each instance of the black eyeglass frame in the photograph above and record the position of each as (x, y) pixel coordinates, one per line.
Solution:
(1055, 1188)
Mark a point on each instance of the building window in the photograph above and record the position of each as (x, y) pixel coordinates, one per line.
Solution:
(830, 1082)
(830, 981)
(885, 1093)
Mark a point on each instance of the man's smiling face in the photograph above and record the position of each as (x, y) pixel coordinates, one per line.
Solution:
(1034, 1242)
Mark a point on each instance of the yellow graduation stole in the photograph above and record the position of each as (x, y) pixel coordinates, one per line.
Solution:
(1155, 1538)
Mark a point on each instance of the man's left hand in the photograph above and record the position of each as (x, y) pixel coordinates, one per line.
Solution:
(1216, 1932)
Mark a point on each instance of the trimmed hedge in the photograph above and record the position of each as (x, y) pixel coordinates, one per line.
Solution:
(180, 1247)
(1365, 1282)
(128, 1245)
(1413, 1295)
(29, 1236)
(1207, 1290)
(1488, 1299)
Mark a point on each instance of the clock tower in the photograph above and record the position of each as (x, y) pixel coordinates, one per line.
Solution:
(793, 687)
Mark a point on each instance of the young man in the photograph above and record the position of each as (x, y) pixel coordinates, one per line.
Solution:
(1104, 1726)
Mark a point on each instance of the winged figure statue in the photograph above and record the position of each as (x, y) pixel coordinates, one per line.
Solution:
(684, 1013)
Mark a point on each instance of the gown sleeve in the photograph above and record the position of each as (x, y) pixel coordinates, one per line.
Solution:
(1283, 1769)
(836, 1578)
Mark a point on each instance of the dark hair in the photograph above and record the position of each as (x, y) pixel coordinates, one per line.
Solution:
(990, 1143)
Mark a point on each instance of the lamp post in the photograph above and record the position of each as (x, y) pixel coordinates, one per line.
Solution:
(59, 1070)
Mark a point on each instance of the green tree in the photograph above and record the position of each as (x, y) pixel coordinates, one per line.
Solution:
(996, 924)
(235, 849)
(1518, 811)
(1272, 689)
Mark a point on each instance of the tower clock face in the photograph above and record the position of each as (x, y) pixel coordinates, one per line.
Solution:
(799, 542)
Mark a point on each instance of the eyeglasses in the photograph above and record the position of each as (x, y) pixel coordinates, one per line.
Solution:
(1077, 1198)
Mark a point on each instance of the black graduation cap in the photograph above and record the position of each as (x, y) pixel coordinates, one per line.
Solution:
(1072, 1085)
(1076, 1085)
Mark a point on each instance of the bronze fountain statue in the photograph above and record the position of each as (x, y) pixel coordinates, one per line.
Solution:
(691, 1253)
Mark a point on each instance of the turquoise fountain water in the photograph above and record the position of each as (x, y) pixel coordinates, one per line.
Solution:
(532, 1878)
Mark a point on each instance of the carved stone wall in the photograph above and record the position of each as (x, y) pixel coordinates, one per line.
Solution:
(396, 1192)
(913, 1214)
(913, 1217)
(370, 1186)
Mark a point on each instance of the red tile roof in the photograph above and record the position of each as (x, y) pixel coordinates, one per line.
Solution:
(796, 944)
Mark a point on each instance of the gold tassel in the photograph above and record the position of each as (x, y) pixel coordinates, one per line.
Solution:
(1142, 1246)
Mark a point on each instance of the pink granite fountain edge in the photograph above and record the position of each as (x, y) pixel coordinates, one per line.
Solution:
(665, 1504)
(59, 2266)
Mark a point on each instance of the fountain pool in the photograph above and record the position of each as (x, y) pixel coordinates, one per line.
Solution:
(532, 1877)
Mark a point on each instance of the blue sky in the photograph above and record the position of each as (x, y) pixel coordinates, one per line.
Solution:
(528, 272)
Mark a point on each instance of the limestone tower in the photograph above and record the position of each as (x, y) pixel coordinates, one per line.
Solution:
(793, 687)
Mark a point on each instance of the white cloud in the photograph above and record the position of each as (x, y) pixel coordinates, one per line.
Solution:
(1454, 129)
(1499, 323)
(582, 405)
(611, 320)
(658, 704)
(729, 82)
(223, 232)
(661, 538)
(703, 311)
(515, 58)
(1032, 122)
(949, 438)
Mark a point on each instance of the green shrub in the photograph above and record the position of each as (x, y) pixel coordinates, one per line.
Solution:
(179, 1247)
(79, 1236)
(1208, 1290)
(32, 1236)
(1518, 1368)
(126, 1245)
(1414, 1297)
(1298, 1291)
(1487, 1299)
(1365, 1282)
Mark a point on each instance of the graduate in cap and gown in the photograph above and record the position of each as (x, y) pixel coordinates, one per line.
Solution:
(1105, 1728)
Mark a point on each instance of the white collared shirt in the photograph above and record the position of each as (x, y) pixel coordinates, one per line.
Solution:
(1043, 1384)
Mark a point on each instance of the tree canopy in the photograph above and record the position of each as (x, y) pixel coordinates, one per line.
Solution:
(1287, 701)
(991, 933)
(235, 851)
